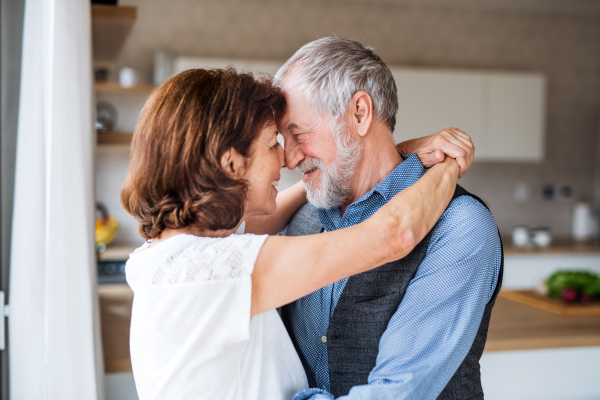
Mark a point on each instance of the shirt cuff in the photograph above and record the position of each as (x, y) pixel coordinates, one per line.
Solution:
(313, 394)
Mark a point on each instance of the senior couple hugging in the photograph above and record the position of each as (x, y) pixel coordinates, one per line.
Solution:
(381, 286)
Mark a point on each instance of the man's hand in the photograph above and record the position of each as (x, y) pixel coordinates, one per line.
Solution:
(433, 149)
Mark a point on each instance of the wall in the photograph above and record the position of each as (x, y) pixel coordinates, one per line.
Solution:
(563, 45)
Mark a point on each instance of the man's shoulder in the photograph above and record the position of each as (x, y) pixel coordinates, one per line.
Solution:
(304, 222)
(466, 220)
(467, 208)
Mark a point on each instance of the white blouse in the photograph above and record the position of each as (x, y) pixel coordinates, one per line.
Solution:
(192, 336)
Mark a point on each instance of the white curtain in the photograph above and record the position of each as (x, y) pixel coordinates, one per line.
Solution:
(54, 344)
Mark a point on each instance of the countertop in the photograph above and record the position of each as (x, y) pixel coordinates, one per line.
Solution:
(516, 326)
(119, 252)
(513, 327)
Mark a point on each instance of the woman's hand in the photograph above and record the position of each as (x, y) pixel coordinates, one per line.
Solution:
(432, 149)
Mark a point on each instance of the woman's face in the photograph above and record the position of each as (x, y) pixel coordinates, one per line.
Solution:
(263, 174)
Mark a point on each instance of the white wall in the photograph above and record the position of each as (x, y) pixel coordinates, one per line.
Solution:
(111, 169)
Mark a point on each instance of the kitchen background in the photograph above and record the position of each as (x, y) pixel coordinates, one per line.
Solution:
(531, 353)
(560, 42)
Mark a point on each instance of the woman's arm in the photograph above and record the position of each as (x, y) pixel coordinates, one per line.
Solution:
(288, 268)
(288, 202)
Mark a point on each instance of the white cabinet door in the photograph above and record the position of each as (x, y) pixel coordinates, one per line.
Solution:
(504, 113)
(429, 101)
(516, 117)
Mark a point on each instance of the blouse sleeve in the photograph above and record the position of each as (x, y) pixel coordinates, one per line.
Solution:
(201, 301)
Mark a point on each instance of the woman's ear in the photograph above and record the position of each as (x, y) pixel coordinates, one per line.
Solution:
(233, 163)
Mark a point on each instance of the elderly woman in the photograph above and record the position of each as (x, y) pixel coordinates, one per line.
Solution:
(204, 159)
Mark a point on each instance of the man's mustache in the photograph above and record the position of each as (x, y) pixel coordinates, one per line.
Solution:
(309, 164)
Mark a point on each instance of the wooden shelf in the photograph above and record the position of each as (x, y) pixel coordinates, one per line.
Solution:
(115, 87)
(115, 138)
(114, 12)
(111, 26)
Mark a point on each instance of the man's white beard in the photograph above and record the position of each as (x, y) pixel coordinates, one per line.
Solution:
(334, 186)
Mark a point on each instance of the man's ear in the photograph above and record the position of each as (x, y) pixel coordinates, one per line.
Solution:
(362, 112)
(233, 163)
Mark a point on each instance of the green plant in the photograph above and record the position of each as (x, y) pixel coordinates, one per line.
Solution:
(574, 285)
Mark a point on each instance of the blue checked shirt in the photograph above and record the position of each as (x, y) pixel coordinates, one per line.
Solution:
(434, 327)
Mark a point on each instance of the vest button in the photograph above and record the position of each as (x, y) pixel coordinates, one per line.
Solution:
(324, 339)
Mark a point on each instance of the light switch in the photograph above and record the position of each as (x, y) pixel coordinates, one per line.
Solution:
(522, 191)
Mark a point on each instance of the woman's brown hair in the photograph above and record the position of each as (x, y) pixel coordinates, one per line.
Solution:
(175, 176)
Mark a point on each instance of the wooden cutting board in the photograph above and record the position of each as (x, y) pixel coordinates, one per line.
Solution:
(546, 303)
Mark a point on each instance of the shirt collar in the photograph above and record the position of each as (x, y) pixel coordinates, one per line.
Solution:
(404, 175)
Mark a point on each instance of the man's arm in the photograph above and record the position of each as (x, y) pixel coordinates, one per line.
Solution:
(432, 149)
(435, 325)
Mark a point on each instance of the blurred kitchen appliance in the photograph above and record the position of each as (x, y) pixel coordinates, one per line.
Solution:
(585, 225)
(128, 77)
(106, 117)
(111, 271)
(163, 66)
(520, 237)
(541, 237)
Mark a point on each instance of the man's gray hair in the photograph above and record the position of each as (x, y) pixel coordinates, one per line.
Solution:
(331, 70)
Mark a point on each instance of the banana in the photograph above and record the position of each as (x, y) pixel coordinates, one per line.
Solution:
(106, 229)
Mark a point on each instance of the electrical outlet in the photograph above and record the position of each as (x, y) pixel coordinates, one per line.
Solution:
(548, 192)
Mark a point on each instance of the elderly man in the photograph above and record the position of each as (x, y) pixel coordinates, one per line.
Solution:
(411, 329)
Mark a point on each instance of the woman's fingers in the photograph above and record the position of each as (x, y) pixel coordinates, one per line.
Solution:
(460, 138)
(458, 145)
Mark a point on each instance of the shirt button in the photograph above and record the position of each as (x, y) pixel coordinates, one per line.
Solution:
(324, 339)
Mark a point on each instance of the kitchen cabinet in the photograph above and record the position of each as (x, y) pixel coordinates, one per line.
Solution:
(504, 113)
(429, 101)
(515, 119)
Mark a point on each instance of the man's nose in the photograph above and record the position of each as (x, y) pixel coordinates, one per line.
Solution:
(293, 154)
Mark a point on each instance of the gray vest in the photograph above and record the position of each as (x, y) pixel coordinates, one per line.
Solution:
(365, 308)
